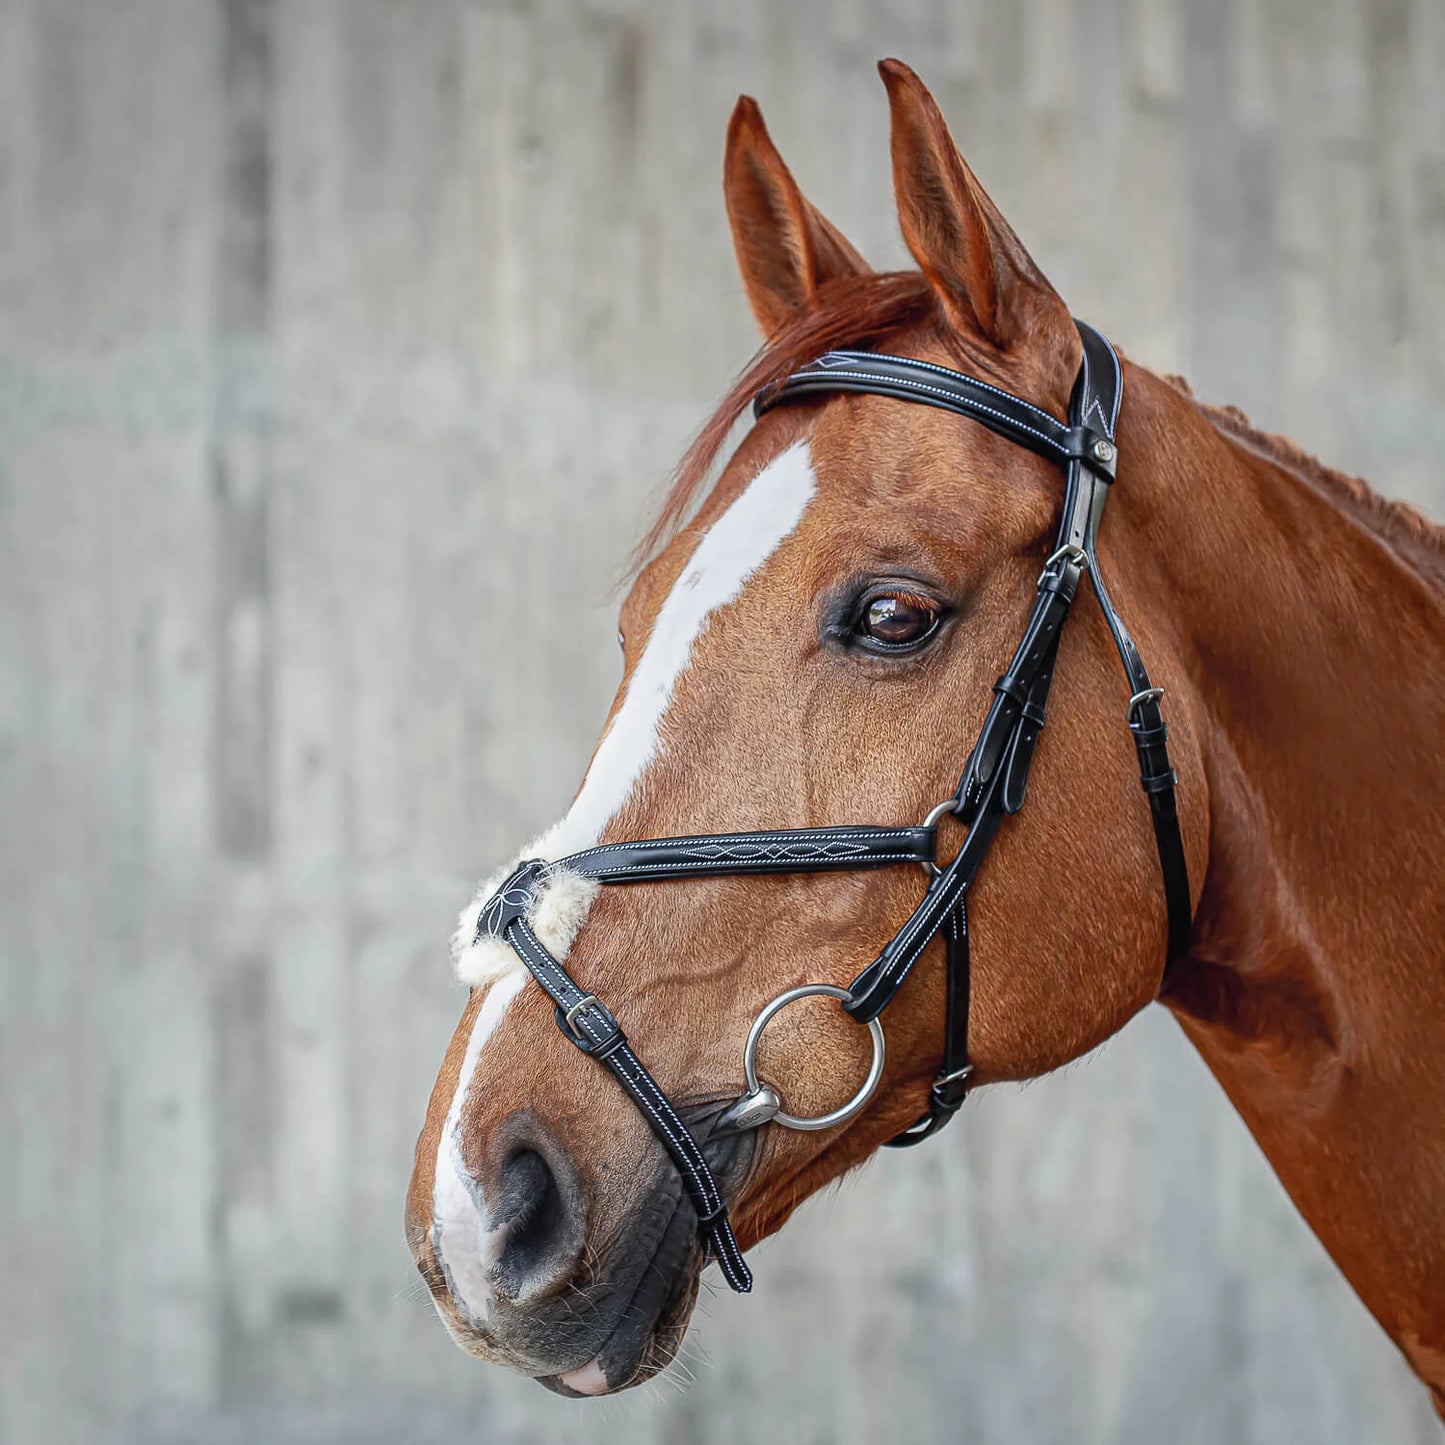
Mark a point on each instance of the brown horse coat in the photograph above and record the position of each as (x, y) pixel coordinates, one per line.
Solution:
(1296, 621)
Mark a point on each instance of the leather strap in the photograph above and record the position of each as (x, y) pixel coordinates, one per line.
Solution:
(906, 379)
(993, 782)
(1158, 779)
(873, 990)
(950, 1086)
(588, 1024)
(1021, 695)
(1097, 392)
(785, 850)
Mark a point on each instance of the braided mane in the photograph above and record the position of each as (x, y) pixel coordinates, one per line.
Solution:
(1405, 529)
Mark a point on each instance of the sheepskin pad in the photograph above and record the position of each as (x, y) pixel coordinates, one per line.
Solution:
(559, 909)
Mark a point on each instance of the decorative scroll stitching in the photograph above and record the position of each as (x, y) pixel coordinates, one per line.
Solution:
(504, 898)
(744, 840)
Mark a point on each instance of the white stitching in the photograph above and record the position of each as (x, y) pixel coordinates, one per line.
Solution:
(702, 864)
(1052, 442)
(769, 850)
(903, 940)
(643, 1089)
(946, 371)
(1112, 421)
(705, 1187)
(782, 835)
(628, 1064)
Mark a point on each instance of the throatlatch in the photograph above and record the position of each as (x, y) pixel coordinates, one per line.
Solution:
(993, 786)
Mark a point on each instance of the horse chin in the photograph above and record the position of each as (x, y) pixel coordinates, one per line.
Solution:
(645, 1339)
(657, 1284)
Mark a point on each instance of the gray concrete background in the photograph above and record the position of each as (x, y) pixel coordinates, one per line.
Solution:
(287, 524)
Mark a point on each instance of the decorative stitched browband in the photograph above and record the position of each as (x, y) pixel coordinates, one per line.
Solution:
(992, 787)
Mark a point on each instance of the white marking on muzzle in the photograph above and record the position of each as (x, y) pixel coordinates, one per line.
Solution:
(459, 1212)
(733, 550)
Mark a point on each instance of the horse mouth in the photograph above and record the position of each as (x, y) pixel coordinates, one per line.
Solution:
(648, 1331)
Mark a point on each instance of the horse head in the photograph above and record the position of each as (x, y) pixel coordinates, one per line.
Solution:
(815, 645)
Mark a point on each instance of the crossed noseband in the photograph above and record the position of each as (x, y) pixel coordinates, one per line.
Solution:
(992, 787)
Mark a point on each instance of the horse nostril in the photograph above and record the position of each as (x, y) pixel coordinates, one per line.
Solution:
(530, 1211)
(539, 1226)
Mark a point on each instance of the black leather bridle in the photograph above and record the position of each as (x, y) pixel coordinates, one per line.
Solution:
(992, 787)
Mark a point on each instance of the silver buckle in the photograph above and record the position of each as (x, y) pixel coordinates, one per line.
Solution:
(587, 1001)
(1148, 695)
(1073, 553)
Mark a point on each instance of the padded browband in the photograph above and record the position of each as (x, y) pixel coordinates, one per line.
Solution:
(906, 379)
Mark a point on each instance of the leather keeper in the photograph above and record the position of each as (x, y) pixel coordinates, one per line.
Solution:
(1016, 764)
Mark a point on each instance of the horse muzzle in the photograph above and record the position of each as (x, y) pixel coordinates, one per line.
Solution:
(584, 1284)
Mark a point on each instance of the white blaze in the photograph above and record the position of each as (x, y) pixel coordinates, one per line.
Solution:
(733, 550)
(457, 1208)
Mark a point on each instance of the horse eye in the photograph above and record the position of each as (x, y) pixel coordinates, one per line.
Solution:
(898, 619)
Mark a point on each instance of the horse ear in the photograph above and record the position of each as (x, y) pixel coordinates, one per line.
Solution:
(985, 281)
(786, 249)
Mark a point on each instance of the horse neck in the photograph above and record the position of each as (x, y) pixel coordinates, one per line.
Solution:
(1313, 989)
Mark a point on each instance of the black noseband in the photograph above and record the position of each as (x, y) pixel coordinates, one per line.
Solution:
(992, 787)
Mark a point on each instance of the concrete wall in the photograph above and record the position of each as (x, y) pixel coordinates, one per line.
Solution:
(286, 524)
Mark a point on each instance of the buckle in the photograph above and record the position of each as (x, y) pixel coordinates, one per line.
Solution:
(943, 1104)
(587, 1001)
(611, 1036)
(1070, 555)
(1150, 694)
(949, 1090)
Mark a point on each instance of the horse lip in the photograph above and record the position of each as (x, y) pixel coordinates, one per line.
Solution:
(649, 1327)
(640, 1365)
(732, 1156)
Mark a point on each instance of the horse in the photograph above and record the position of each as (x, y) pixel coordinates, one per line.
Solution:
(809, 647)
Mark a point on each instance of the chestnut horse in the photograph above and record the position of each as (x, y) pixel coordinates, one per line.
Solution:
(817, 646)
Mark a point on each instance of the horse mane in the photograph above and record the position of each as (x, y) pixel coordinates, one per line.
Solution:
(875, 307)
(1406, 530)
